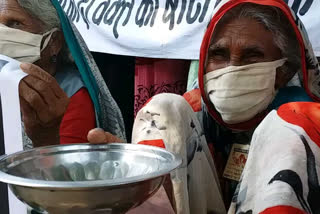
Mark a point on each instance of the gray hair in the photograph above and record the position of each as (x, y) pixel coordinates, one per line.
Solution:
(45, 12)
(278, 24)
(42, 10)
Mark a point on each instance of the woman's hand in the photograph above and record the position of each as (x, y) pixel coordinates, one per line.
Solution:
(100, 136)
(43, 104)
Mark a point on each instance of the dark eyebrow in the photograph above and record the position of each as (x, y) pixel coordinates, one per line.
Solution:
(216, 46)
(15, 16)
(255, 50)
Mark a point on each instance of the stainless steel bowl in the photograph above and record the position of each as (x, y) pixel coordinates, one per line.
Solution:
(84, 178)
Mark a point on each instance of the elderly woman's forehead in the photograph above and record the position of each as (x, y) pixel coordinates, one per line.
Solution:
(15, 15)
(10, 4)
(269, 18)
(13, 8)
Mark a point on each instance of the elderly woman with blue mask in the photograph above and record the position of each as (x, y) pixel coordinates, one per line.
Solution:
(62, 97)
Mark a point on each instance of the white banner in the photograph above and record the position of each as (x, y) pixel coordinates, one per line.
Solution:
(309, 13)
(147, 28)
(160, 28)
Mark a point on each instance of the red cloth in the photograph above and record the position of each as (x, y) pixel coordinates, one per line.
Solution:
(283, 210)
(157, 143)
(79, 119)
(194, 99)
(305, 115)
(155, 76)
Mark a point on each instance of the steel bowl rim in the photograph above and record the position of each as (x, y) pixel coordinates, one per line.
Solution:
(25, 182)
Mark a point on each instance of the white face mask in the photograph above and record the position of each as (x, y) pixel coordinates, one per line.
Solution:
(241, 92)
(21, 45)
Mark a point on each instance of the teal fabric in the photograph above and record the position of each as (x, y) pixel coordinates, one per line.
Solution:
(289, 94)
(79, 58)
(108, 114)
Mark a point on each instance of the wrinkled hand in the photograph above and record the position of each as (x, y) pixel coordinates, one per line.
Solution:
(43, 104)
(99, 136)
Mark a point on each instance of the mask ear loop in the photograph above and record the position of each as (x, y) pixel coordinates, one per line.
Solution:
(49, 36)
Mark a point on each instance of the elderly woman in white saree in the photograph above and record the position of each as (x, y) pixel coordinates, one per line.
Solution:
(242, 41)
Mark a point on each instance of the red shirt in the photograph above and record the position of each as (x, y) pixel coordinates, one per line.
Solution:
(79, 119)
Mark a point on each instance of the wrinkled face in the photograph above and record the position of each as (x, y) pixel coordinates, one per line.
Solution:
(242, 42)
(14, 16)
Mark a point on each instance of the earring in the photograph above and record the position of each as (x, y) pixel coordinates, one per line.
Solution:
(54, 59)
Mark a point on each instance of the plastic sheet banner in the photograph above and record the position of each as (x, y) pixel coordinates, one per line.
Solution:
(159, 28)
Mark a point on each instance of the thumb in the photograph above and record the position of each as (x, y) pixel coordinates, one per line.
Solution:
(98, 135)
